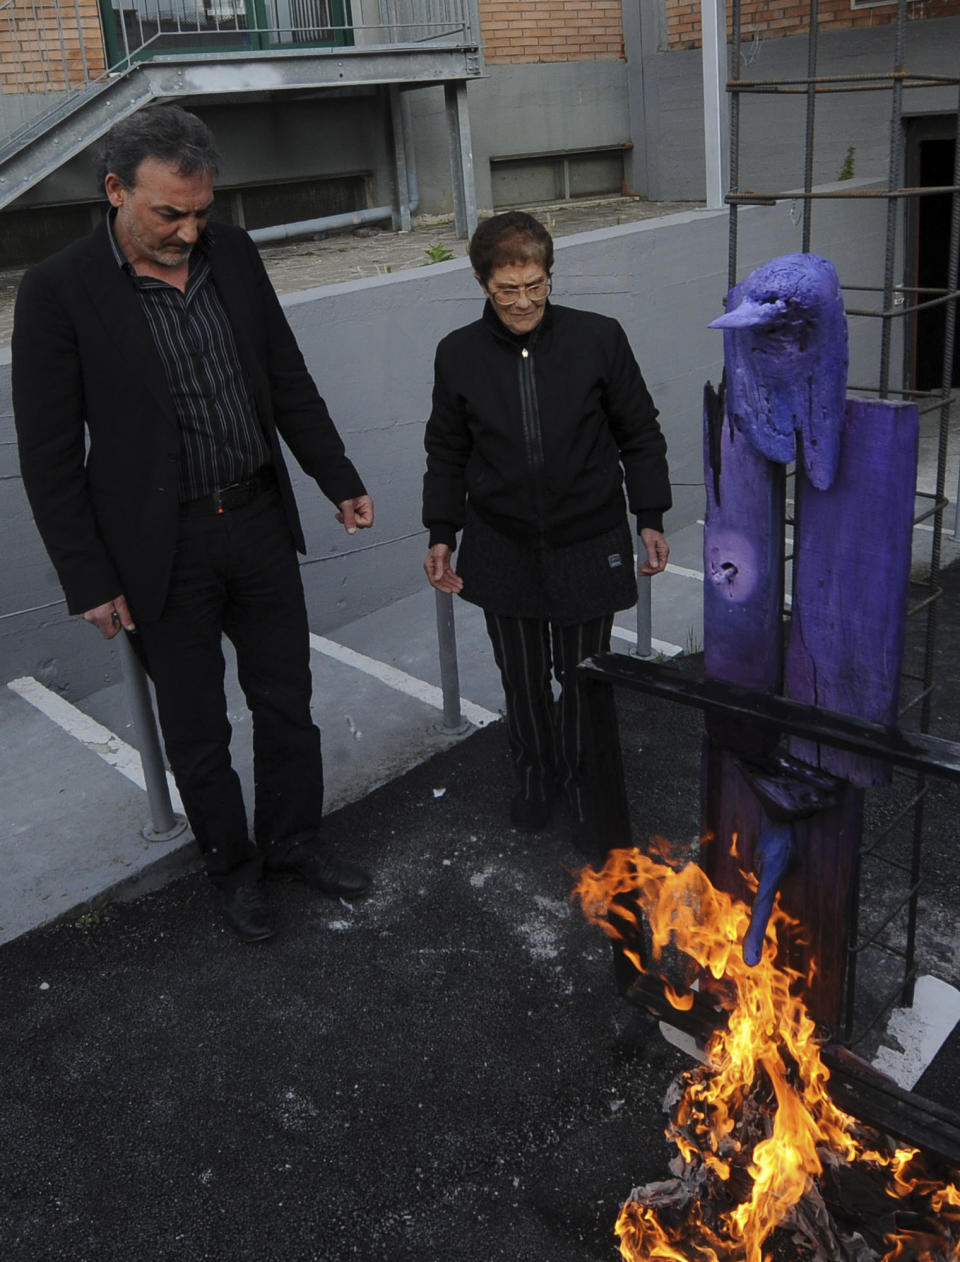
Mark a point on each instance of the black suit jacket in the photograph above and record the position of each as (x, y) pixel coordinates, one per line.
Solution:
(97, 431)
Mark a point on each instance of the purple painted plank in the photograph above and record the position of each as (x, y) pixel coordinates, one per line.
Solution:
(852, 548)
(816, 891)
(742, 557)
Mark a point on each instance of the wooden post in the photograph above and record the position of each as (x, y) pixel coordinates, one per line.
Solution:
(785, 349)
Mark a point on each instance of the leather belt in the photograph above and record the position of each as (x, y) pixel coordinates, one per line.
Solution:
(236, 495)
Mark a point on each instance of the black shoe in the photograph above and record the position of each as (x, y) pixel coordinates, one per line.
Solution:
(246, 914)
(316, 867)
(530, 815)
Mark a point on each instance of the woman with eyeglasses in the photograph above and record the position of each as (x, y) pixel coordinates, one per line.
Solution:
(540, 418)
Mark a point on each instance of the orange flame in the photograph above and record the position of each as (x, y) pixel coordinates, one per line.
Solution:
(768, 1049)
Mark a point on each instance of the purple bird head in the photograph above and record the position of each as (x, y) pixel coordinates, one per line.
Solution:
(785, 350)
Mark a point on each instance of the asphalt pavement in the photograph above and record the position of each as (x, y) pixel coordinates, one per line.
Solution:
(444, 1070)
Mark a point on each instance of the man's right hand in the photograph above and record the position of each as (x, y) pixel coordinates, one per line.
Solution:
(109, 618)
(438, 571)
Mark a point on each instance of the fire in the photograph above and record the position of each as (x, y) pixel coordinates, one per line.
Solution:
(755, 1126)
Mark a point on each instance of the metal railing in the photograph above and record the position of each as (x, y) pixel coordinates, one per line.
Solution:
(55, 52)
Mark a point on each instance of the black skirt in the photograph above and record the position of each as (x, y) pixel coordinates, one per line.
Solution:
(565, 585)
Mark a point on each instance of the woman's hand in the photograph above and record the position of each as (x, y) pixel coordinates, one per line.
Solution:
(658, 551)
(438, 571)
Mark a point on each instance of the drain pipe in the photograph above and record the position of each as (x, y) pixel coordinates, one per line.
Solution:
(329, 223)
(349, 219)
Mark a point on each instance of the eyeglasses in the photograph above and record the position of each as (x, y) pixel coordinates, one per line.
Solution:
(537, 293)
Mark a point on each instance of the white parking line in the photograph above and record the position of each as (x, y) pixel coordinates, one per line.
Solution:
(398, 679)
(659, 646)
(683, 572)
(97, 738)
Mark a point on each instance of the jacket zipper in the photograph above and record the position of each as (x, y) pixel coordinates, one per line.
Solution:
(532, 434)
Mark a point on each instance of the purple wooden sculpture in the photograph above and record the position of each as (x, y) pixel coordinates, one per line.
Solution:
(796, 817)
(785, 351)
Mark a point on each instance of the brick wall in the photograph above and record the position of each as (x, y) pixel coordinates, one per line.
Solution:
(771, 19)
(43, 45)
(551, 30)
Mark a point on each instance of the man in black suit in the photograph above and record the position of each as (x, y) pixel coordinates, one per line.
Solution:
(154, 373)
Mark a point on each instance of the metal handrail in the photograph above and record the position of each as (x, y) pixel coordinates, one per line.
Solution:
(119, 43)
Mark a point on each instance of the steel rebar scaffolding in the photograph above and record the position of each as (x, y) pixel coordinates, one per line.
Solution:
(897, 303)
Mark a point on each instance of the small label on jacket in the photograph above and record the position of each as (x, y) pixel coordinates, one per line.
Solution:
(613, 560)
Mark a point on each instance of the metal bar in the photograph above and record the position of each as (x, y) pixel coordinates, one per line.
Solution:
(893, 182)
(838, 195)
(63, 51)
(461, 159)
(898, 312)
(713, 23)
(821, 90)
(882, 80)
(890, 916)
(897, 819)
(810, 115)
(82, 40)
(165, 823)
(735, 67)
(644, 645)
(453, 720)
(608, 820)
(853, 1085)
(889, 998)
(916, 750)
(401, 179)
(950, 329)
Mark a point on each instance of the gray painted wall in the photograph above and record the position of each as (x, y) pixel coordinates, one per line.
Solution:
(518, 110)
(370, 346)
(666, 100)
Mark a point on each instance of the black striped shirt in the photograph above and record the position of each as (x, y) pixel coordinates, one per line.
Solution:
(221, 441)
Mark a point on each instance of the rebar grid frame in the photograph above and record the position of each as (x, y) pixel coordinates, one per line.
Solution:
(926, 593)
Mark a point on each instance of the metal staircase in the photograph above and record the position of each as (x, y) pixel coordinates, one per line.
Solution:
(414, 43)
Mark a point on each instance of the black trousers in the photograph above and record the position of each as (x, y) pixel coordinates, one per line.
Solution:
(548, 738)
(236, 574)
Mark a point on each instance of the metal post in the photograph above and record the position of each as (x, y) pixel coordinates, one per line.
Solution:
(735, 72)
(401, 196)
(644, 646)
(165, 823)
(810, 121)
(461, 159)
(453, 721)
(713, 25)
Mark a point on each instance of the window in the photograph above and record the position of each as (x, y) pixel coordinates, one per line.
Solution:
(556, 177)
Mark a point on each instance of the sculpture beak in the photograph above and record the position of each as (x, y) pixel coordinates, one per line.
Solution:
(751, 315)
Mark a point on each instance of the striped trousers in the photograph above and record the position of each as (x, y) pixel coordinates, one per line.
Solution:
(548, 736)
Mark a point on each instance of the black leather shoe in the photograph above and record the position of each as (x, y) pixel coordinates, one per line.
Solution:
(247, 915)
(530, 815)
(315, 866)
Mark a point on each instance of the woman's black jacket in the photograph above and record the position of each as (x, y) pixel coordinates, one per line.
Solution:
(540, 432)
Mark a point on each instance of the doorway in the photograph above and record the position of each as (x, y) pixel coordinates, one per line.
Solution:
(931, 145)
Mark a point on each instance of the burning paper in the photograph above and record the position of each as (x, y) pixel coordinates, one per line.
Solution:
(761, 1145)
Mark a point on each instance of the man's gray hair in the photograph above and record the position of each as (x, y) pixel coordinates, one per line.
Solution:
(167, 133)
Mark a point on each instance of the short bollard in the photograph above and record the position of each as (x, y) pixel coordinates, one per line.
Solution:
(644, 645)
(165, 823)
(453, 721)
